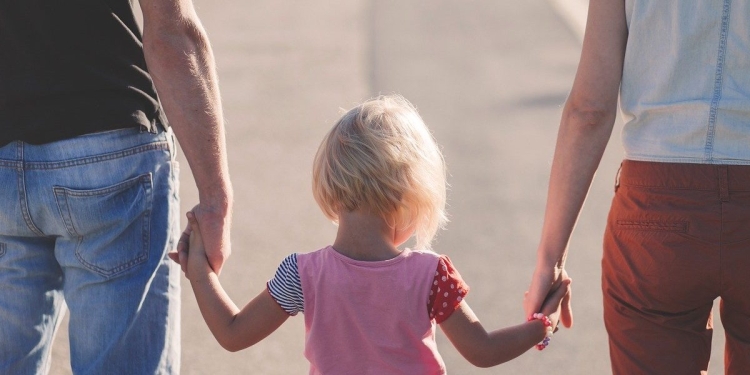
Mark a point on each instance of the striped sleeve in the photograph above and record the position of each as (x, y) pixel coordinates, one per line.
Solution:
(286, 287)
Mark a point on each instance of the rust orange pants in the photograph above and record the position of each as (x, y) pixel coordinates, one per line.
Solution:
(677, 238)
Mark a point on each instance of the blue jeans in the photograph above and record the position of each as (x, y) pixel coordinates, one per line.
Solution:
(87, 223)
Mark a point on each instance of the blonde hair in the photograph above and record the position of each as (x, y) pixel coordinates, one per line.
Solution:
(380, 156)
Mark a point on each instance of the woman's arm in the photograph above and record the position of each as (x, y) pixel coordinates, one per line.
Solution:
(487, 349)
(585, 129)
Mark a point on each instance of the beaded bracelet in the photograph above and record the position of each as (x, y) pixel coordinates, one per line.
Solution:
(548, 327)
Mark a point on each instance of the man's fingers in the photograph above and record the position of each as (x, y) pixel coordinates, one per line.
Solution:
(214, 234)
(183, 257)
(191, 219)
(183, 242)
(183, 246)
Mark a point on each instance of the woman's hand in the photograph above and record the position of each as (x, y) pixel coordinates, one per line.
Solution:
(557, 300)
(545, 282)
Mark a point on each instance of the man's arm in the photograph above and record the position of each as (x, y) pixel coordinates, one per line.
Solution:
(181, 63)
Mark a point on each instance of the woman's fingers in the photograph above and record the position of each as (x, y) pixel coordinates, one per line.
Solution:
(566, 311)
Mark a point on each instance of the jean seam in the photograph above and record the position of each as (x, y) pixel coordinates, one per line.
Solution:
(11, 164)
(721, 243)
(23, 199)
(2, 249)
(161, 145)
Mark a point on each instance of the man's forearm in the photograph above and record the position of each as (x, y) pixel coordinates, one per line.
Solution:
(181, 63)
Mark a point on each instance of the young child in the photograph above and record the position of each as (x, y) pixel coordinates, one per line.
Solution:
(370, 307)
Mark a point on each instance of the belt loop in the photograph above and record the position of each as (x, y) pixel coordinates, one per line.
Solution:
(172, 141)
(723, 172)
(19, 153)
(617, 176)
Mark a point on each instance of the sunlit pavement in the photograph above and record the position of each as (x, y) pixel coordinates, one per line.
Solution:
(489, 78)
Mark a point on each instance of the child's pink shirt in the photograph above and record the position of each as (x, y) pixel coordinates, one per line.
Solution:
(346, 335)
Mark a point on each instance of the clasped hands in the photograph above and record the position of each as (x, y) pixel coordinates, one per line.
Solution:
(544, 283)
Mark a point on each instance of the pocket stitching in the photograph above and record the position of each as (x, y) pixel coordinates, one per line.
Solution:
(67, 220)
(653, 225)
(144, 178)
(146, 184)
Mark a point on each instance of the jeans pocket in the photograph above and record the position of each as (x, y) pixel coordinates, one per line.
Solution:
(112, 224)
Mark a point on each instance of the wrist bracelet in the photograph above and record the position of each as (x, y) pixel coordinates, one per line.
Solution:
(548, 328)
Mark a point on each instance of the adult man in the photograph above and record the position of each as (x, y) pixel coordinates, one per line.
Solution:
(89, 207)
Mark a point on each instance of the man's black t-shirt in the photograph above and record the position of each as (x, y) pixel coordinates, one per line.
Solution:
(72, 67)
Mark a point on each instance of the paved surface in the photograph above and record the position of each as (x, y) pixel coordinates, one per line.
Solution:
(488, 77)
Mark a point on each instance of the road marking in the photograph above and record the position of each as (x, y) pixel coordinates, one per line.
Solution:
(573, 13)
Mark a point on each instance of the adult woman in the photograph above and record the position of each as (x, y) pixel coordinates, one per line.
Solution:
(677, 233)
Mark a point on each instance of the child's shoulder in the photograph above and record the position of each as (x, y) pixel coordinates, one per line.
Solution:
(424, 253)
(313, 254)
(442, 260)
(428, 258)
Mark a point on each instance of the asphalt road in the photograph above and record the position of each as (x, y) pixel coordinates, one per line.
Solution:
(489, 78)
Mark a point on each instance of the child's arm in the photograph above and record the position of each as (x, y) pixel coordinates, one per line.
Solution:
(487, 349)
(233, 328)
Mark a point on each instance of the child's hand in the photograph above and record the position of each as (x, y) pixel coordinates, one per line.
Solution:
(192, 255)
(552, 304)
(180, 255)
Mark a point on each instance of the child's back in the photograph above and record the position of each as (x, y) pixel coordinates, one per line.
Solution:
(369, 315)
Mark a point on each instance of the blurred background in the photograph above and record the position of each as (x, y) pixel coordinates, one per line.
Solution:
(489, 79)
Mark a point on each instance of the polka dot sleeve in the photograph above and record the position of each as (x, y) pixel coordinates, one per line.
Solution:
(448, 290)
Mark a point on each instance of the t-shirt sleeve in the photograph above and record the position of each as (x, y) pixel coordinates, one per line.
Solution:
(447, 292)
(285, 287)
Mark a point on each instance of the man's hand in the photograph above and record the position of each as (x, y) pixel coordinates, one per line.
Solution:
(215, 235)
(192, 253)
(215, 225)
